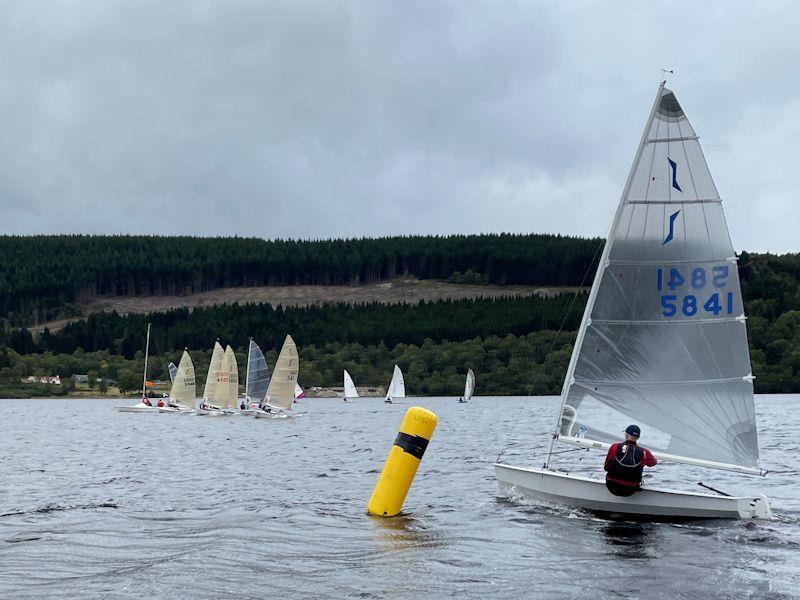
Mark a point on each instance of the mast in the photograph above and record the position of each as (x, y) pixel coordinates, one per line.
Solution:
(146, 353)
(247, 374)
(586, 319)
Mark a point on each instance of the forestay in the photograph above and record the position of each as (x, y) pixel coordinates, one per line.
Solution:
(663, 341)
(349, 387)
(280, 393)
(184, 390)
(257, 374)
(210, 389)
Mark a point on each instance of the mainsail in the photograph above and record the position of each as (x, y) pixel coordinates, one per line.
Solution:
(280, 393)
(228, 380)
(350, 390)
(210, 390)
(184, 390)
(663, 340)
(397, 387)
(469, 386)
(257, 374)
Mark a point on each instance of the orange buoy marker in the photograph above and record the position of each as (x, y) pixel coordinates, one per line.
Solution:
(390, 492)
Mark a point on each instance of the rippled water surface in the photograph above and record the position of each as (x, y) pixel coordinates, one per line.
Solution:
(100, 504)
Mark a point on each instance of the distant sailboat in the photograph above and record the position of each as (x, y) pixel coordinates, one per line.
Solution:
(281, 391)
(298, 392)
(212, 388)
(173, 370)
(469, 387)
(183, 393)
(663, 341)
(397, 387)
(350, 391)
(145, 405)
(257, 379)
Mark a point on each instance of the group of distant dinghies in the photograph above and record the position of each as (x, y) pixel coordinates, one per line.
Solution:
(397, 387)
(265, 397)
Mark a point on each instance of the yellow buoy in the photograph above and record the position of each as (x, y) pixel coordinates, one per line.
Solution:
(390, 492)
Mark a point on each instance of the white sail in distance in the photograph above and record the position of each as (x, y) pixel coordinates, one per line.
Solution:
(184, 389)
(469, 386)
(173, 370)
(350, 390)
(210, 389)
(257, 374)
(397, 387)
(663, 341)
(281, 390)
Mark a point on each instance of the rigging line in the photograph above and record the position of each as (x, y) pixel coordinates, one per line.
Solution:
(566, 313)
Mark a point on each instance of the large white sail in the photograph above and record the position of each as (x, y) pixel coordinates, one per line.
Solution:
(280, 393)
(184, 389)
(469, 386)
(350, 390)
(210, 389)
(663, 341)
(257, 374)
(228, 380)
(397, 387)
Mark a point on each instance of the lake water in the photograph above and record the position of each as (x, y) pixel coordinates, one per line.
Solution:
(101, 504)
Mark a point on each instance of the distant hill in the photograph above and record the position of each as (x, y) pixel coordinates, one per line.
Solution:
(44, 278)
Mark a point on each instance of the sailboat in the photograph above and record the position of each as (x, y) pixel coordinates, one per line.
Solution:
(469, 387)
(298, 392)
(350, 391)
(145, 405)
(281, 391)
(184, 390)
(397, 387)
(214, 379)
(173, 370)
(662, 342)
(257, 380)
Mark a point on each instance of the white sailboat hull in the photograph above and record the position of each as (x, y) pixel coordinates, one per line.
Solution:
(591, 494)
(183, 410)
(262, 414)
(137, 408)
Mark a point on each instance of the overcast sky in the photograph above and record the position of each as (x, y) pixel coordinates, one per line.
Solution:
(331, 119)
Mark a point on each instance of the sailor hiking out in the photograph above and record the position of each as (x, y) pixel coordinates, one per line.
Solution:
(625, 462)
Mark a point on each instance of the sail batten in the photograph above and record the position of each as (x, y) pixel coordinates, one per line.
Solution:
(668, 261)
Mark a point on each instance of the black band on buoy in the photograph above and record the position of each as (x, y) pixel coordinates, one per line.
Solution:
(413, 444)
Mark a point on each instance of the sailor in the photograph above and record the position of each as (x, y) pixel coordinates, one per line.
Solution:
(242, 406)
(625, 462)
(146, 401)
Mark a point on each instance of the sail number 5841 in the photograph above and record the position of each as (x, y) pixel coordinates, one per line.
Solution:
(696, 278)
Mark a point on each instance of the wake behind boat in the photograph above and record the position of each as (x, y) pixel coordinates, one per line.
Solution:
(662, 340)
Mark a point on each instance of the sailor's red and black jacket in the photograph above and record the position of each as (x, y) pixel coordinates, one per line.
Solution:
(625, 462)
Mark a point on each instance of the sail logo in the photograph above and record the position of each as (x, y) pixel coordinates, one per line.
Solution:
(671, 233)
(674, 167)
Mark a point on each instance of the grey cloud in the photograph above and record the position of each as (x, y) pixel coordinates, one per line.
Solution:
(312, 119)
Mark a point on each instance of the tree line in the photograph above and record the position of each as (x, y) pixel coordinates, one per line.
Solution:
(43, 277)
